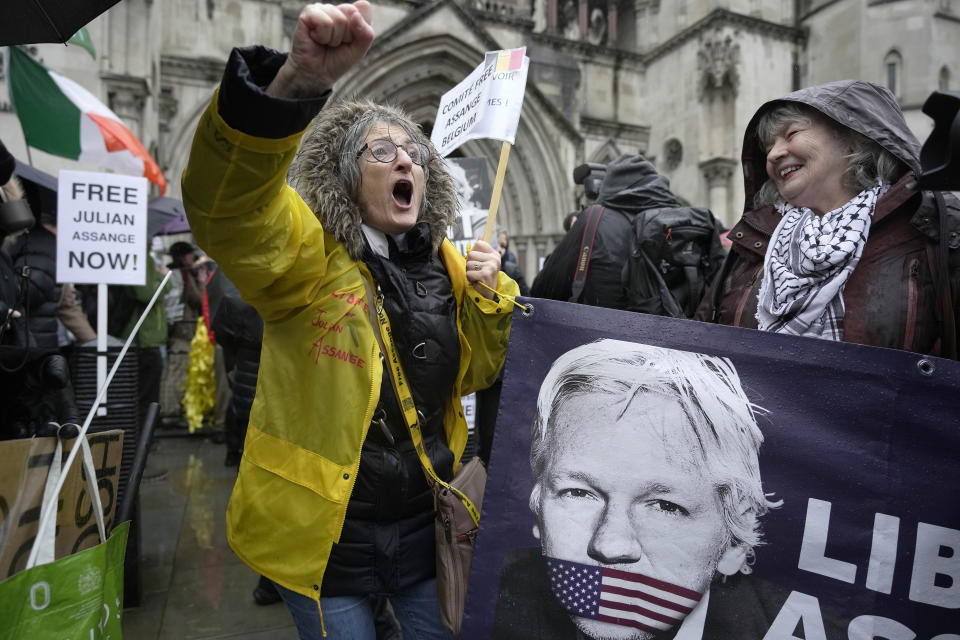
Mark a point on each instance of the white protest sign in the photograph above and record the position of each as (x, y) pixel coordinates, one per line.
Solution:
(460, 110)
(101, 228)
(486, 104)
(505, 96)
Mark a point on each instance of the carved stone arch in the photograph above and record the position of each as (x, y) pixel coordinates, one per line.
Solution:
(177, 152)
(606, 153)
(537, 190)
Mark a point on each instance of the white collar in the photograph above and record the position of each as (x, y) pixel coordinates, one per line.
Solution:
(378, 240)
(692, 626)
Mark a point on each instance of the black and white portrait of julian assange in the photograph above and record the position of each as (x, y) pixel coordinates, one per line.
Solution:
(647, 502)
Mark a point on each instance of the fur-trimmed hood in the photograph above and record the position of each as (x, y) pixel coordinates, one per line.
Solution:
(315, 175)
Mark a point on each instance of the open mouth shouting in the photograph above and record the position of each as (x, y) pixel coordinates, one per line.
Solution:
(403, 193)
(391, 188)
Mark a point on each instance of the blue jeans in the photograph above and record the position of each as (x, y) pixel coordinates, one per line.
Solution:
(351, 618)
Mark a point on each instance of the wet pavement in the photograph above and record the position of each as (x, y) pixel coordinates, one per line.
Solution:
(192, 585)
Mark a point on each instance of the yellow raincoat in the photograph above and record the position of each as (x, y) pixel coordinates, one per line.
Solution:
(320, 369)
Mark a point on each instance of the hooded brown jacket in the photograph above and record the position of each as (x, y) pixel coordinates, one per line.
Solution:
(892, 297)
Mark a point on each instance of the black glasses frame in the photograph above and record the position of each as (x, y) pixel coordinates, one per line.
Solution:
(422, 151)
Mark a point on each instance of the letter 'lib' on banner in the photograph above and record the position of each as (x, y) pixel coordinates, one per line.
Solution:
(486, 104)
(101, 228)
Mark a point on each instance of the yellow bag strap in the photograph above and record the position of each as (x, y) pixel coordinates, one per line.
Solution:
(381, 329)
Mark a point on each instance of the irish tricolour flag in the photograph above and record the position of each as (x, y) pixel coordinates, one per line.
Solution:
(62, 118)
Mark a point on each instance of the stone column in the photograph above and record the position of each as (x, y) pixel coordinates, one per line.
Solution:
(612, 24)
(544, 247)
(552, 16)
(718, 172)
(126, 96)
(531, 259)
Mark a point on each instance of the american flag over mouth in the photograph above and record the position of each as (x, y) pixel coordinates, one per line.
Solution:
(621, 597)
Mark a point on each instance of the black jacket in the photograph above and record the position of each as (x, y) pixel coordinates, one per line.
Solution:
(238, 329)
(631, 185)
(10, 334)
(37, 252)
(387, 542)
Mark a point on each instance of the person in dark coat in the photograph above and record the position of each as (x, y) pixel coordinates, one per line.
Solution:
(42, 384)
(36, 252)
(15, 216)
(239, 330)
(509, 263)
(631, 185)
(836, 242)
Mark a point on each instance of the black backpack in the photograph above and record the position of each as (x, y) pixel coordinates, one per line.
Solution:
(674, 254)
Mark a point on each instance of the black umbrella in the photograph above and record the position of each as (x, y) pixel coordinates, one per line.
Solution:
(32, 21)
(39, 187)
(164, 214)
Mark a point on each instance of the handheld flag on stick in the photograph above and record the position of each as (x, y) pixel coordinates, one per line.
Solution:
(486, 104)
(64, 119)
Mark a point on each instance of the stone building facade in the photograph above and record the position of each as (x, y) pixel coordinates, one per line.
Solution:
(676, 80)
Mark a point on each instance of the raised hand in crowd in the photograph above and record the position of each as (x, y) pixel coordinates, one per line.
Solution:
(327, 42)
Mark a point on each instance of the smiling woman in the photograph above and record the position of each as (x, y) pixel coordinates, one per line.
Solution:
(837, 162)
(836, 242)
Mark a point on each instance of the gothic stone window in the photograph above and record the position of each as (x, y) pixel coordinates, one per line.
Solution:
(672, 154)
(893, 67)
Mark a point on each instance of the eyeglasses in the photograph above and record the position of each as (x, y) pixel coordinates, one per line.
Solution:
(385, 150)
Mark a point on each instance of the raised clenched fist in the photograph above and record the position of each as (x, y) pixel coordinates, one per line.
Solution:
(327, 42)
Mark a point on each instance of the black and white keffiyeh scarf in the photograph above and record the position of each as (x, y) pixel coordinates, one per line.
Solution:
(807, 265)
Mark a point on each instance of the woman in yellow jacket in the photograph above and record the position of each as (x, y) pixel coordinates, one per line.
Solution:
(331, 502)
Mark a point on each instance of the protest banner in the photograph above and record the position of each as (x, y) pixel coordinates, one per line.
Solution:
(460, 110)
(101, 228)
(629, 494)
(486, 104)
(101, 239)
(23, 476)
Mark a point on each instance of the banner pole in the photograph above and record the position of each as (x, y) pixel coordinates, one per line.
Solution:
(102, 343)
(497, 187)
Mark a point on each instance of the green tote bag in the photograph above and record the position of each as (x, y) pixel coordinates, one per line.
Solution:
(79, 597)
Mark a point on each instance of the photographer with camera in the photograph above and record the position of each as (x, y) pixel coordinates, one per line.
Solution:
(32, 370)
(15, 216)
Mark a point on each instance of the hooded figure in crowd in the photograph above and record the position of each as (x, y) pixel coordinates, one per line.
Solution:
(631, 186)
(836, 242)
(331, 501)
